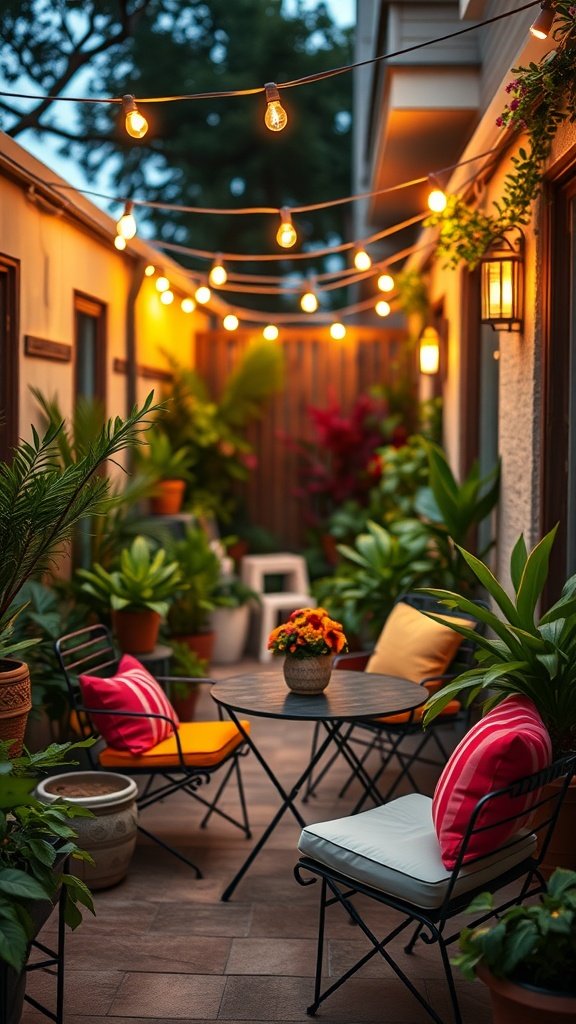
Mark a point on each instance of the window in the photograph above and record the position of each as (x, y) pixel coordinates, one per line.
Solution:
(90, 347)
(9, 332)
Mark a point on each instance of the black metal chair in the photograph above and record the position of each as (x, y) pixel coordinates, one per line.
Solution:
(425, 895)
(185, 768)
(393, 737)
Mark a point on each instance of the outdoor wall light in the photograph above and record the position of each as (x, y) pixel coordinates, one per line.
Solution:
(429, 351)
(502, 284)
(542, 25)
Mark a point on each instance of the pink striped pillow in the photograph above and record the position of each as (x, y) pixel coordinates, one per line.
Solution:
(131, 689)
(511, 741)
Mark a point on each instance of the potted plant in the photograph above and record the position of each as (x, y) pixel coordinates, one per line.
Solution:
(40, 504)
(309, 641)
(230, 619)
(184, 695)
(189, 613)
(138, 593)
(169, 467)
(528, 956)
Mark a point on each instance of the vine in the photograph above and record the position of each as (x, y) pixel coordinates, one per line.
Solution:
(543, 96)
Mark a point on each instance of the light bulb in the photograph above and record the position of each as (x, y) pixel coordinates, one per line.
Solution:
(126, 226)
(275, 117)
(162, 284)
(187, 305)
(362, 260)
(309, 302)
(135, 123)
(386, 283)
(286, 235)
(230, 322)
(218, 273)
(437, 200)
(541, 27)
(167, 297)
(337, 331)
(382, 308)
(270, 332)
(150, 270)
(203, 294)
(120, 242)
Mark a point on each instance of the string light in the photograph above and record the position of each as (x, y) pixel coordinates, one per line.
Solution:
(120, 242)
(218, 275)
(362, 260)
(150, 270)
(382, 308)
(162, 283)
(187, 305)
(126, 226)
(309, 302)
(542, 25)
(203, 294)
(135, 122)
(270, 332)
(386, 283)
(167, 297)
(286, 235)
(230, 322)
(437, 200)
(337, 331)
(275, 117)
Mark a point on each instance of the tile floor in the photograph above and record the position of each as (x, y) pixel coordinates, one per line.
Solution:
(163, 947)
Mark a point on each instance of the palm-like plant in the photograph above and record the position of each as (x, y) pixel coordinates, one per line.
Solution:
(532, 656)
(144, 580)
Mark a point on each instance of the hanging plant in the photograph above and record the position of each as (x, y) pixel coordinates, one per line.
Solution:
(542, 97)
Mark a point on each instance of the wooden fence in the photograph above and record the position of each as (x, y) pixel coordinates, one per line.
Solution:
(317, 372)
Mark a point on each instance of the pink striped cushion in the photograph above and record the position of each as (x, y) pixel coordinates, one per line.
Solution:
(511, 741)
(131, 689)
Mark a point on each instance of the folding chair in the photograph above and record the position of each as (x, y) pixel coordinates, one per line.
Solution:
(182, 763)
(391, 855)
(392, 737)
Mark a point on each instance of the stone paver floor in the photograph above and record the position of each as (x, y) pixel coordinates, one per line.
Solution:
(163, 947)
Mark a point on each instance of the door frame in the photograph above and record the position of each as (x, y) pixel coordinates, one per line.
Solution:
(10, 372)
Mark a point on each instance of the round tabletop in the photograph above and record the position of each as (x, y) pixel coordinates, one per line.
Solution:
(349, 695)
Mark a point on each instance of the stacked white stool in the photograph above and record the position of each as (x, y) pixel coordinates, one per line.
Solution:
(292, 568)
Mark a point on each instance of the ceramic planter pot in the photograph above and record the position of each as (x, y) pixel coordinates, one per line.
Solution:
(136, 632)
(231, 631)
(308, 675)
(110, 837)
(15, 702)
(167, 498)
(525, 1004)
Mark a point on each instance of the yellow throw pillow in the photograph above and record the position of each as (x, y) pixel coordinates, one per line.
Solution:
(413, 646)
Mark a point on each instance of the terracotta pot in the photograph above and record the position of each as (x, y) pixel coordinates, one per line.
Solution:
(15, 702)
(201, 643)
(167, 497)
(308, 675)
(524, 1004)
(110, 836)
(185, 707)
(136, 632)
(561, 852)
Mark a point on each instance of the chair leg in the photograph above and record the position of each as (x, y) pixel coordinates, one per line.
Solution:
(213, 808)
(311, 1010)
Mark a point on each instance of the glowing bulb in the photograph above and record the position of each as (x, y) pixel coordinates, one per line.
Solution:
(382, 308)
(337, 331)
(120, 242)
(187, 305)
(362, 260)
(218, 273)
(126, 226)
(203, 294)
(286, 235)
(230, 322)
(150, 270)
(162, 284)
(275, 117)
(386, 283)
(136, 124)
(437, 200)
(542, 25)
(429, 351)
(309, 302)
(167, 297)
(270, 332)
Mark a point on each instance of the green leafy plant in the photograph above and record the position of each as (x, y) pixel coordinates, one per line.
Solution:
(34, 838)
(231, 592)
(200, 569)
(186, 663)
(529, 655)
(161, 461)
(144, 580)
(534, 945)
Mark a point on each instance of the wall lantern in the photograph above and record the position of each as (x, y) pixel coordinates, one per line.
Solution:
(429, 351)
(502, 284)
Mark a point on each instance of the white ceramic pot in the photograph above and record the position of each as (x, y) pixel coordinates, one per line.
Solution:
(110, 836)
(230, 626)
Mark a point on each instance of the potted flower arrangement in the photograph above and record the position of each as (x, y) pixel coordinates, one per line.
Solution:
(528, 956)
(231, 618)
(169, 467)
(138, 593)
(309, 641)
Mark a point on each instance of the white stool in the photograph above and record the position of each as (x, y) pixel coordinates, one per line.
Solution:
(270, 608)
(292, 568)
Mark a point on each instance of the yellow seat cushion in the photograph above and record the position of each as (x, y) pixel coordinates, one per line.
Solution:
(204, 745)
(413, 646)
(416, 716)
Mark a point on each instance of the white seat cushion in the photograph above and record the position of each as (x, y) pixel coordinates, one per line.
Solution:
(394, 848)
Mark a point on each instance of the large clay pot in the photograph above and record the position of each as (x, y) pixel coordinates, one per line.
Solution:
(231, 631)
(167, 497)
(308, 675)
(525, 1004)
(110, 836)
(136, 632)
(15, 702)
(201, 643)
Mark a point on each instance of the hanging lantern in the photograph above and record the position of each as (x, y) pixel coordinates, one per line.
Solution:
(502, 284)
(429, 351)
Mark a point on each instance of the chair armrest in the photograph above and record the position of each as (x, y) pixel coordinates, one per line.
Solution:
(355, 661)
(138, 714)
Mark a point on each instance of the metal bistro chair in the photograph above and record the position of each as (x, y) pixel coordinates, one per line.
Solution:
(196, 752)
(391, 854)
(402, 736)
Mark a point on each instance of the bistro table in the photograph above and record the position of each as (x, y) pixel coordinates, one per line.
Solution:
(350, 697)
